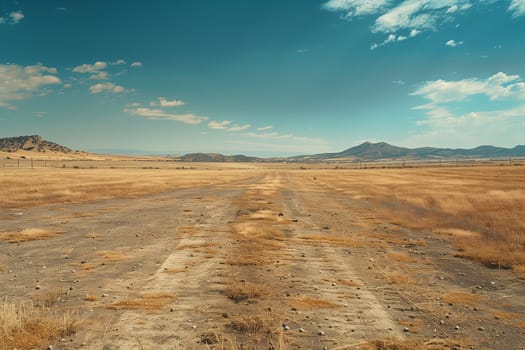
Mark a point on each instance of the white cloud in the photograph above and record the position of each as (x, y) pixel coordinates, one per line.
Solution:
(158, 114)
(136, 64)
(99, 76)
(356, 7)
(453, 43)
(166, 103)
(91, 68)
(19, 82)
(517, 7)
(472, 127)
(407, 18)
(239, 127)
(16, 16)
(68, 86)
(419, 15)
(500, 86)
(391, 38)
(119, 62)
(265, 128)
(219, 125)
(227, 125)
(107, 87)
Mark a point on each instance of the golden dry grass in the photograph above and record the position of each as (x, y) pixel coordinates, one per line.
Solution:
(48, 298)
(479, 208)
(238, 291)
(25, 326)
(22, 188)
(462, 298)
(28, 234)
(304, 302)
(144, 302)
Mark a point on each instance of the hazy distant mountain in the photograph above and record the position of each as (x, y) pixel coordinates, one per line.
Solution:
(33, 143)
(383, 150)
(215, 157)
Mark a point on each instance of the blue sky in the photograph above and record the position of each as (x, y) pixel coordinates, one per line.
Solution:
(263, 77)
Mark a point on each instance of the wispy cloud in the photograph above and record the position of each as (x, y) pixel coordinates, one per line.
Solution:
(136, 64)
(16, 16)
(162, 102)
(453, 43)
(469, 127)
(219, 125)
(401, 20)
(12, 18)
(227, 125)
(517, 7)
(357, 7)
(239, 127)
(21, 82)
(91, 68)
(108, 87)
(500, 86)
(159, 114)
(265, 128)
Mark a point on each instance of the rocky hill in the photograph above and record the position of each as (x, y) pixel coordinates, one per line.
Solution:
(33, 143)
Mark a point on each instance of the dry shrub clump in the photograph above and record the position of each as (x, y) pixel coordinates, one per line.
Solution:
(240, 291)
(144, 302)
(24, 326)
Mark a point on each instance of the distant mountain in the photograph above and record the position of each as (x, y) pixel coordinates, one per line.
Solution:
(383, 150)
(33, 143)
(215, 157)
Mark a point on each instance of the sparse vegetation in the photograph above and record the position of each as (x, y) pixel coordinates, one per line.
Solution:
(25, 326)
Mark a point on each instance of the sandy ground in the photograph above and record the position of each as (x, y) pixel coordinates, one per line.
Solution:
(273, 262)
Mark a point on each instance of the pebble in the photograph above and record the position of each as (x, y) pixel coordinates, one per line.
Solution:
(406, 330)
(301, 330)
(321, 333)
(456, 328)
(286, 327)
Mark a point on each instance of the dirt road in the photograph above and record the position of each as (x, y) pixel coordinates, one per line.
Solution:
(278, 261)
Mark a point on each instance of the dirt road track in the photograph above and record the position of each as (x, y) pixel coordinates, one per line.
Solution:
(277, 261)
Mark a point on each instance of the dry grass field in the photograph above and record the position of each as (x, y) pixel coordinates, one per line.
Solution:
(479, 208)
(279, 256)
